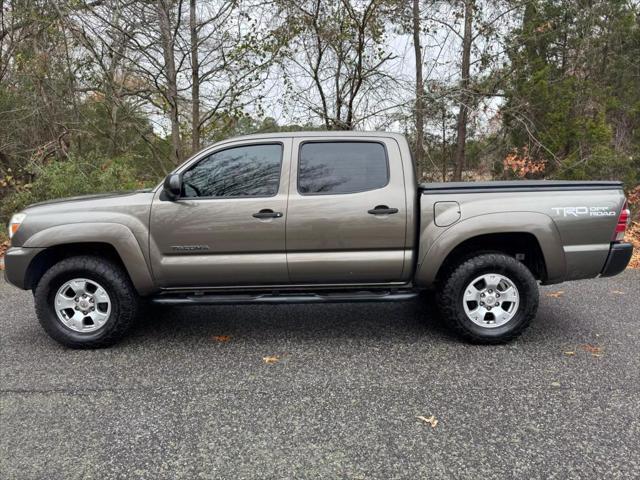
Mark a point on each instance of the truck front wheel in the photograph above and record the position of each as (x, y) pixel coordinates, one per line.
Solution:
(86, 302)
(489, 298)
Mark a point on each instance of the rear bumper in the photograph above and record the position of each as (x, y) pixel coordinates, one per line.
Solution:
(618, 259)
(16, 263)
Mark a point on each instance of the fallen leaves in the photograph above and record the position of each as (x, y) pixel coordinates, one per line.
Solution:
(557, 294)
(221, 338)
(633, 236)
(271, 359)
(432, 420)
(617, 292)
(594, 350)
(3, 248)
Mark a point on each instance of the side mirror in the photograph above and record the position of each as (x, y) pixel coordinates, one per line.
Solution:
(173, 186)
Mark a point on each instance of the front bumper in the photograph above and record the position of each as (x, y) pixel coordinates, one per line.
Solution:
(618, 259)
(16, 264)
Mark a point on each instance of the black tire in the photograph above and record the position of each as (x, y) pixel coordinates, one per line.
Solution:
(124, 301)
(452, 288)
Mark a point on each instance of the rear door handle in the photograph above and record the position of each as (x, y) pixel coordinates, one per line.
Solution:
(382, 210)
(267, 213)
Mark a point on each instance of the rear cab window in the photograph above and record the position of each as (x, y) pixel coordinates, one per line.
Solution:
(342, 167)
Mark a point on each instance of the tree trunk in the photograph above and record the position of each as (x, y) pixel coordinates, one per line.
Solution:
(444, 143)
(195, 79)
(419, 147)
(171, 94)
(465, 97)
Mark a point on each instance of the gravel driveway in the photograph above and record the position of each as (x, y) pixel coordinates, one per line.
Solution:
(189, 395)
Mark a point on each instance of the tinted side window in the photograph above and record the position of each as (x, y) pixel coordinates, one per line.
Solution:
(341, 167)
(252, 170)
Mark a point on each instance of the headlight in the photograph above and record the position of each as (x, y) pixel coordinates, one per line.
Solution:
(15, 222)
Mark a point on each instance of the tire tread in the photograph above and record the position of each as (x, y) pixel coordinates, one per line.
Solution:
(453, 313)
(120, 285)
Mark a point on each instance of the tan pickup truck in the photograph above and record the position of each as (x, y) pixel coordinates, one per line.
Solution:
(313, 217)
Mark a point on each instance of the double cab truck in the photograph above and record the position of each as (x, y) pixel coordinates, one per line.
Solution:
(313, 217)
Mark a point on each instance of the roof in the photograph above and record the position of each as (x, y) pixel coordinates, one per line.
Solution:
(317, 134)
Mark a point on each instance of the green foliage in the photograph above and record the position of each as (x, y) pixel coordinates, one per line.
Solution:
(573, 101)
(605, 164)
(76, 176)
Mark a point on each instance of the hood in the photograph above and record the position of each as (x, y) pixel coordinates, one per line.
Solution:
(95, 196)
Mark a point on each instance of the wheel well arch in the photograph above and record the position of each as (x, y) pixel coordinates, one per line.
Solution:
(515, 244)
(52, 255)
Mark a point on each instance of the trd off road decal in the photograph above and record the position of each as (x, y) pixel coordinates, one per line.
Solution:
(584, 211)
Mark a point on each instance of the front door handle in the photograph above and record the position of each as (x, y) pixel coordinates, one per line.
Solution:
(382, 210)
(267, 213)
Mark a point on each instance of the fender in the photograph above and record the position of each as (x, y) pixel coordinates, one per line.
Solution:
(538, 224)
(114, 234)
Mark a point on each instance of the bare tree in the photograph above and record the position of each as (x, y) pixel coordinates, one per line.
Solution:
(465, 96)
(419, 108)
(195, 77)
(231, 45)
(168, 28)
(335, 65)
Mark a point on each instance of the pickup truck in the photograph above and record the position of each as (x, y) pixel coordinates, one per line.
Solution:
(313, 217)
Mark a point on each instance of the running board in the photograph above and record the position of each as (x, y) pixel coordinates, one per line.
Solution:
(278, 298)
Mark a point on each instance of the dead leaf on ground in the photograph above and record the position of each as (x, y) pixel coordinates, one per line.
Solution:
(594, 350)
(617, 292)
(221, 338)
(432, 420)
(557, 294)
(269, 359)
(569, 353)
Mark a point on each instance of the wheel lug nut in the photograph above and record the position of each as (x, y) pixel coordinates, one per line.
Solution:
(490, 291)
(497, 304)
(497, 294)
(488, 308)
(481, 303)
(482, 294)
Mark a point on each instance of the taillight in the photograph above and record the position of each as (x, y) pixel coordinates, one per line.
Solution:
(624, 220)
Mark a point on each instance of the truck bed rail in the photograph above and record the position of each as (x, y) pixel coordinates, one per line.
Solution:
(517, 186)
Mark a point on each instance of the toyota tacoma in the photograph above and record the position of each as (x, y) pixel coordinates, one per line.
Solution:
(313, 217)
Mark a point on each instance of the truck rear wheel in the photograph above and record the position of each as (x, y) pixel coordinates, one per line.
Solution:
(86, 302)
(489, 298)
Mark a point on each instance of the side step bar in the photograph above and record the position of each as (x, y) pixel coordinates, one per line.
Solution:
(280, 298)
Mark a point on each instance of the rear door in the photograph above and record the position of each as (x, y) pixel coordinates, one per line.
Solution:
(228, 227)
(346, 219)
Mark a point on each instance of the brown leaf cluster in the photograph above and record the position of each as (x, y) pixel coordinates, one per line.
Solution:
(633, 236)
(594, 350)
(221, 338)
(520, 162)
(634, 197)
(557, 294)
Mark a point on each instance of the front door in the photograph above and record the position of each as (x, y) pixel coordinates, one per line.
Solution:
(347, 215)
(228, 227)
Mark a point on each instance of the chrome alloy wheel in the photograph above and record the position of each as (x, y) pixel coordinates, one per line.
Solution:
(82, 305)
(491, 300)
